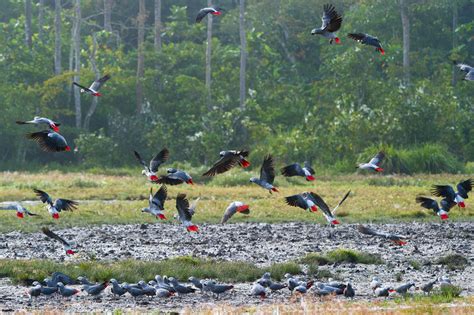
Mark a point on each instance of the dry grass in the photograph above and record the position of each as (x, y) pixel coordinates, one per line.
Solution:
(373, 198)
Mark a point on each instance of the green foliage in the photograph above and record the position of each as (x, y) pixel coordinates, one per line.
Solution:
(429, 158)
(306, 100)
(415, 264)
(22, 271)
(341, 256)
(453, 261)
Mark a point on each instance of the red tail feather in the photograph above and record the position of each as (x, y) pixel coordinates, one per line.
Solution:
(192, 228)
(275, 189)
(244, 163)
(190, 181)
(335, 222)
(310, 178)
(55, 216)
(68, 148)
(462, 204)
(161, 216)
(379, 169)
(382, 51)
(444, 216)
(337, 40)
(243, 208)
(20, 215)
(70, 252)
(97, 94)
(153, 178)
(314, 208)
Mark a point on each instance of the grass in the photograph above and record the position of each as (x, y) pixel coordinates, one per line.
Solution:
(334, 306)
(25, 271)
(415, 264)
(341, 255)
(453, 261)
(374, 198)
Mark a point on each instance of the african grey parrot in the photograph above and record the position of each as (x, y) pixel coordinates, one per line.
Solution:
(450, 195)
(305, 201)
(328, 214)
(95, 289)
(46, 290)
(367, 39)
(150, 170)
(65, 291)
(233, 208)
(41, 120)
(331, 23)
(59, 204)
(185, 213)
(179, 288)
(296, 170)
(227, 160)
(374, 163)
(156, 203)
(468, 70)
(20, 210)
(49, 141)
(396, 238)
(215, 288)
(431, 204)
(95, 86)
(258, 290)
(175, 177)
(267, 175)
(205, 11)
(66, 245)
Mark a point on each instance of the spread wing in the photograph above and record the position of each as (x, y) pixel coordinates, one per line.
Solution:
(182, 205)
(292, 170)
(140, 160)
(296, 201)
(267, 171)
(54, 236)
(443, 191)
(159, 159)
(65, 204)
(340, 202)
(428, 203)
(81, 86)
(331, 19)
(97, 84)
(44, 197)
(202, 13)
(160, 196)
(229, 212)
(377, 159)
(356, 36)
(9, 207)
(464, 187)
(320, 203)
(222, 165)
(170, 180)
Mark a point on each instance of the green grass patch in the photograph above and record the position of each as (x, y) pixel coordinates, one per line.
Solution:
(341, 255)
(453, 261)
(415, 264)
(444, 295)
(25, 271)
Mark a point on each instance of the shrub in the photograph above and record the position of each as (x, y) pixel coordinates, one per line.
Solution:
(429, 158)
(453, 261)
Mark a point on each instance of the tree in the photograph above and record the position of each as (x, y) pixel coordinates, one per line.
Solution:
(157, 25)
(243, 54)
(57, 37)
(95, 100)
(406, 40)
(41, 19)
(141, 55)
(455, 38)
(77, 60)
(108, 15)
(208, 59)
(28, 23)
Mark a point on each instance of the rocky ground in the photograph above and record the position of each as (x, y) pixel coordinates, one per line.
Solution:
(259, 243)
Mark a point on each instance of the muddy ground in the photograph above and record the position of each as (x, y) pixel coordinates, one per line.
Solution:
(259, 243)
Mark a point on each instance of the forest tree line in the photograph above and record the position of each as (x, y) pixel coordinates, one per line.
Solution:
(252, 78)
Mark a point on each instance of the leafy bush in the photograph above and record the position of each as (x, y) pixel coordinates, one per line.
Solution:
(429, 158)
(453, 261)
(341, 255)
(97, 149)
